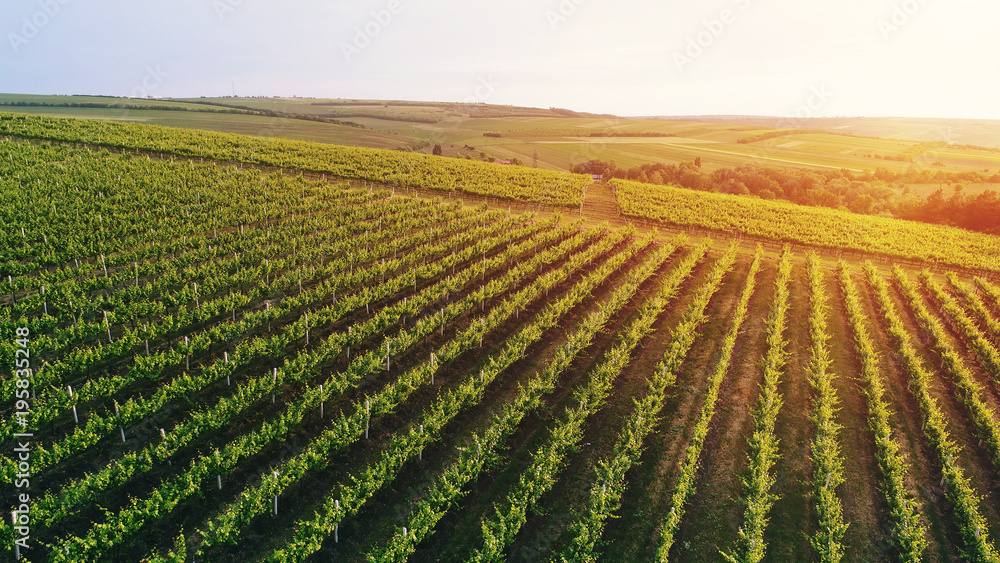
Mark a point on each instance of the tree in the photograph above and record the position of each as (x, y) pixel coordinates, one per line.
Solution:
(438, 150)
(863, 203)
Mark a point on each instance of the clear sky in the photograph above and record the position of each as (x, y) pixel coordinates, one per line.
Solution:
(924, 58)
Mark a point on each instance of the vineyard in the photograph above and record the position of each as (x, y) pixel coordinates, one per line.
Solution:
(384, 166)
(824, 228)
(210, 363)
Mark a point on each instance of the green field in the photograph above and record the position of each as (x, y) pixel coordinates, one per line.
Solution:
(235, 123)
(561, 138)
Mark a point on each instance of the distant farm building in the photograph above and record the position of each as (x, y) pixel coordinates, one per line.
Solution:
(501, 162)
(597, 177)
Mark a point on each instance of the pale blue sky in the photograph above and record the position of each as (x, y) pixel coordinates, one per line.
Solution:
(932, 58)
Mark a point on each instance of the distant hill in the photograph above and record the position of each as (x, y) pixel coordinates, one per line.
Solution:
(981, 132)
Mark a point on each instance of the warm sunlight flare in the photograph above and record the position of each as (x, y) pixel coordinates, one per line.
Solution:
(559, 281)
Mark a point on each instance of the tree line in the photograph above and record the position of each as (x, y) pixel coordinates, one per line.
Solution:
(881, 192)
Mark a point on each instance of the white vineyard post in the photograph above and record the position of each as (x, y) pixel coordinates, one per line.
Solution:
(275, 496)
(107, 325)
(368, 417)
(274, 381)
(421, 454)
(76, 419)
(336, 527)
(13, 517)
(187, 357)
(118, 417)
(45, 304)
